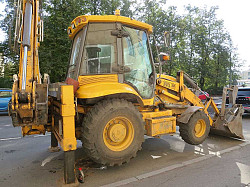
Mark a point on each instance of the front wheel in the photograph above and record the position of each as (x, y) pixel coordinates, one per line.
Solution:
(112, 132)
(196, 130)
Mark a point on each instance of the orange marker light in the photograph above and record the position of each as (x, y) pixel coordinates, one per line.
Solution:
(117, 12)
(166, 57)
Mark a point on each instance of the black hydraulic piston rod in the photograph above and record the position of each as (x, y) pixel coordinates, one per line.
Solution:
(192, 83)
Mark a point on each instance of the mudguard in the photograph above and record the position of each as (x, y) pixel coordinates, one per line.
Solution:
(185, 116)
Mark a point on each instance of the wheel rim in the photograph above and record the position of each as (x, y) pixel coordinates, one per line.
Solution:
(118, 134)
(200, 128)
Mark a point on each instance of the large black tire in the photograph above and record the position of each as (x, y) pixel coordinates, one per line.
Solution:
(189, 132)
(103, 120)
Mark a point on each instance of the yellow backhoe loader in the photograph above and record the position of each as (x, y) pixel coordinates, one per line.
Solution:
(112, 96)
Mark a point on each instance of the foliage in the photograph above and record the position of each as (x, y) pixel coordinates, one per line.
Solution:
(54, 51)
(5, 82)
(200, 44)
(9, 70)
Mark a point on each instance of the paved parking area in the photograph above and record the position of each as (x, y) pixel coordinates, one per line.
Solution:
(27, 162)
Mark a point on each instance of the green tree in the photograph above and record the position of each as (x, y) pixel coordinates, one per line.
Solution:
(126, 8)
(101, 7)
(55, 50)
(200, 44)
(7, 25)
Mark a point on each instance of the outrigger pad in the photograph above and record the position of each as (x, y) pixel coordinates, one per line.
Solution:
(229, 125)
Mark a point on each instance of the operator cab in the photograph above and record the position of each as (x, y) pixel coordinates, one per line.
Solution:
(106, 45)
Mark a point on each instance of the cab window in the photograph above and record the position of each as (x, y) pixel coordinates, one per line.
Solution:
(99, 53)
(75, 55)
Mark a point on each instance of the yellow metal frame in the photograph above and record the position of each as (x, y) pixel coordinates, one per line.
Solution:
(33, 129)
(160, 126)
(80, 21)
(166, 77)
(150, 114)
(93, 86)
(33, 71)
(183, 94)
(64, 128)
(32, 75)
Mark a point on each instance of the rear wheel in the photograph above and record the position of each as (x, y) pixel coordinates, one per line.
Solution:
(112, 132)
(196, 130)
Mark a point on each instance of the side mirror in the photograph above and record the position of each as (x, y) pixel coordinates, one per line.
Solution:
(167, 38)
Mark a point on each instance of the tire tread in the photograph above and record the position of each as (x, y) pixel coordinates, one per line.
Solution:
(90, 122)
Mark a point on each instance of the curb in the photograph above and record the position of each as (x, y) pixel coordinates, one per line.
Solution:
(175, 166)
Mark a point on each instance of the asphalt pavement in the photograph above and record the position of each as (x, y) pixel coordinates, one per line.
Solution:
(165, 161)
(231, 169)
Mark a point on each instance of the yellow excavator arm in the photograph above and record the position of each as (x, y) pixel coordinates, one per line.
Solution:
(29, 104)
(29, 64)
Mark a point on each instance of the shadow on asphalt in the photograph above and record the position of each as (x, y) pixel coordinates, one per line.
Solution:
(225, 138)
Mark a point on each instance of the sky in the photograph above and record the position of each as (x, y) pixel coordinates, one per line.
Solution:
(2, 34)
(235, 14)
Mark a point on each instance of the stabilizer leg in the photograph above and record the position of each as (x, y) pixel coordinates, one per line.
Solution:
(69, 167)
(54, 144)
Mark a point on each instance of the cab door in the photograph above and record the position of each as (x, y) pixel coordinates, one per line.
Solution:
(137, 57)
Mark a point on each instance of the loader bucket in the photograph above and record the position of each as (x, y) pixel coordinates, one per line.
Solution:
(229, 124)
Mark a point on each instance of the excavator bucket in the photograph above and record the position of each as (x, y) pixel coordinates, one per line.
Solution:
(229, 121)
(229, 125)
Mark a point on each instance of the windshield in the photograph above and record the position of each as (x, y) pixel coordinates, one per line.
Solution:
(5, 94)
(136, 56)
(76, 55)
